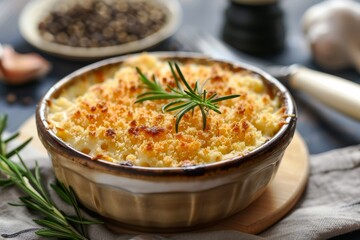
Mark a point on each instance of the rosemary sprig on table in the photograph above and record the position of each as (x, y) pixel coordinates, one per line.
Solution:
(55, 223)
(184, 100)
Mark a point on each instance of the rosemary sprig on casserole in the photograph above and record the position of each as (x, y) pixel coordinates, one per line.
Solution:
(184, 100)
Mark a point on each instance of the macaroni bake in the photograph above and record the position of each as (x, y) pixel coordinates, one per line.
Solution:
(101, 119)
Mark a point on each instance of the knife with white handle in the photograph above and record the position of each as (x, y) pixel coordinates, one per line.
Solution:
(337, 93)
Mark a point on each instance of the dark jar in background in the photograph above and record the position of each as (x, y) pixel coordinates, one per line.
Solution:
(254, 26)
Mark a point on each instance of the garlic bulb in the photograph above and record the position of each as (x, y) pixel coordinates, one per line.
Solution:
(332, 31)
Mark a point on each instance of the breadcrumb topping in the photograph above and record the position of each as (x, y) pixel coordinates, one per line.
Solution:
(101, 119)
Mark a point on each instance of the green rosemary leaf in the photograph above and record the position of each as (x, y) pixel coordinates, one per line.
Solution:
(61, 193)
(52, 225)
(158, 97)
(32, 179)
(204, 95)
(37, 172)
(150, 93)
(181, 114)
(18, 148)
(214, 108)
(37, 182)
(30, 203)
(176, 91)
(224, 98)
(177, 80)
(193, 95)
(2, 147)
(5, 182)
(154, 85)
(84, 221)
(3, 122)
(12, 137)
(179, 107)
(197, 89)
(183, 78)
(17, 204)
(10, 168)
(54, 234)
(212, 96)
(166, 106)
(143, 78)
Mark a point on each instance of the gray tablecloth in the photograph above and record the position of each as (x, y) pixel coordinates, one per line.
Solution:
(329, 207)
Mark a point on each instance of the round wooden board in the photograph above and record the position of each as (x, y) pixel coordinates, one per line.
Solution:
(277, 200)
(279, 197)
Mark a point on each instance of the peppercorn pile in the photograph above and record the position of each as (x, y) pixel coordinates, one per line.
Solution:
(97, 23)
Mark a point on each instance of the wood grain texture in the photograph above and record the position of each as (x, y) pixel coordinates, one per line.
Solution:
(277, 200)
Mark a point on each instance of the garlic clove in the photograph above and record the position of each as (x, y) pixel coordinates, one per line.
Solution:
(18, 68)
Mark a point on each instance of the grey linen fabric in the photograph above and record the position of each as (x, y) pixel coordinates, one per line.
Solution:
(329, 207)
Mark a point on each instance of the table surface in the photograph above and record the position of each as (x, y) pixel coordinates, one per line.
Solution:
(322, 128)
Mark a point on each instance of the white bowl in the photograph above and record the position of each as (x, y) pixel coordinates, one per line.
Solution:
(35, 11)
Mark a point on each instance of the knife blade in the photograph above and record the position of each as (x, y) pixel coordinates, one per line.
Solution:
(335, 92)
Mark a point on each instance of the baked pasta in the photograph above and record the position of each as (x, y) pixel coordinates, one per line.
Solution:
(99, 118)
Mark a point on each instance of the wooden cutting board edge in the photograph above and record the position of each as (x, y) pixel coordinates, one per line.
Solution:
(280, 196)
(278, 199)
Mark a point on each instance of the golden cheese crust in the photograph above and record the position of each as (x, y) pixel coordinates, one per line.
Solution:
(101, 119)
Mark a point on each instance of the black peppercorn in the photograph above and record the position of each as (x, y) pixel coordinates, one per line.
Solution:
(96, 23)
